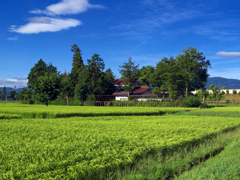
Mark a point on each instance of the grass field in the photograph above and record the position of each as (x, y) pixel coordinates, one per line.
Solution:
(112, 147)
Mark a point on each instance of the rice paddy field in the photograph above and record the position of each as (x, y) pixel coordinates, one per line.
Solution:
(59, 142)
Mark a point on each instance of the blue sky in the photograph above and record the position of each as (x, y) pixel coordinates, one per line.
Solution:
(145, 29)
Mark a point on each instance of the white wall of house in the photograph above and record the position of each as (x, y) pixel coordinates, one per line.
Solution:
(224, 90)
(150, 98)
(121, 98)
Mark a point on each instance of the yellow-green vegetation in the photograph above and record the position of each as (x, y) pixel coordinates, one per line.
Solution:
(231, 97)
(91, 147)
(40, 111)
(193, 156)
(9, 116)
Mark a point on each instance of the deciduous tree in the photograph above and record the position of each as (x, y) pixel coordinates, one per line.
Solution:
(193, 68)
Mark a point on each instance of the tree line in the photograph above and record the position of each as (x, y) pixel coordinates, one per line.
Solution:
(178, 75)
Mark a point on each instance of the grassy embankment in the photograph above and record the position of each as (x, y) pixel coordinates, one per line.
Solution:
(231, 97)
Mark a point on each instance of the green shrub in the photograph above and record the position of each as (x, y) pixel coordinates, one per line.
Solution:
(234, 91)
(204, 105)
(218, 97)
(227, 101)
(192, 101)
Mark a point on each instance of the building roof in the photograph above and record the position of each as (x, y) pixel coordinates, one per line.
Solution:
(137, 91)
(120, 93)
(119, 81)
(140, 90)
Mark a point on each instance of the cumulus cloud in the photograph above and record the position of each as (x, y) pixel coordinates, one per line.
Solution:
(19, 82)
(228, 54)
(67, 7)
(45, 24)
(13, 38)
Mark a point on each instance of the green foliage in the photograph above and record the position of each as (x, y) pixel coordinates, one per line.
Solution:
(91, 97)
(13, 94)
(227, 91)
(49, 87)
(130, 73)
(146, 75)
(234, 91)
(39, 70)
(227, 101)
(204, 105)
(93, 79)
(76, 69)
(108, 84)
(224, 87)
(216, 95)
(193, 68)
(192, 101)
(4, 90)
(26, 96)
(45, 81)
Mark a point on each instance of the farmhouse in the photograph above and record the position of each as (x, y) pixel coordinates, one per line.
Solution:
(139, 93)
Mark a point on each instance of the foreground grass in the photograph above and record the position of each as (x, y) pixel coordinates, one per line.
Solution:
(225, 165)
(94, 148)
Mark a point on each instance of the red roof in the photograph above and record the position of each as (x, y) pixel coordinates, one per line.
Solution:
(119, 81)
(140, 90)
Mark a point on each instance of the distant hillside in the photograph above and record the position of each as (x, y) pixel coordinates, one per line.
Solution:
(12, 89)
(220, 82)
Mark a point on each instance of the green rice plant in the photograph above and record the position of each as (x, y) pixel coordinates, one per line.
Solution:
(91, 147)
(9, 116)
(41, 111)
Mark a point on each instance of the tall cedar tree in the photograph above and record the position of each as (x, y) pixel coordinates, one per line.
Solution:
(193, 68)
(130, 73)
(91, 79)
(77, 66)
(109, 78)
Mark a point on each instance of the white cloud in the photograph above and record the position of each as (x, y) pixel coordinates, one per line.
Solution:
(45, 24)
(228, 54)
(67, 7)
(13, 38)
(19, 82)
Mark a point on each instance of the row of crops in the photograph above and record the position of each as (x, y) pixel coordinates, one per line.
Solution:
(40, 111)
(92, 147)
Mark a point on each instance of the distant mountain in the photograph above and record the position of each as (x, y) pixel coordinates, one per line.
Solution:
(220, 82)
(12, 89)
